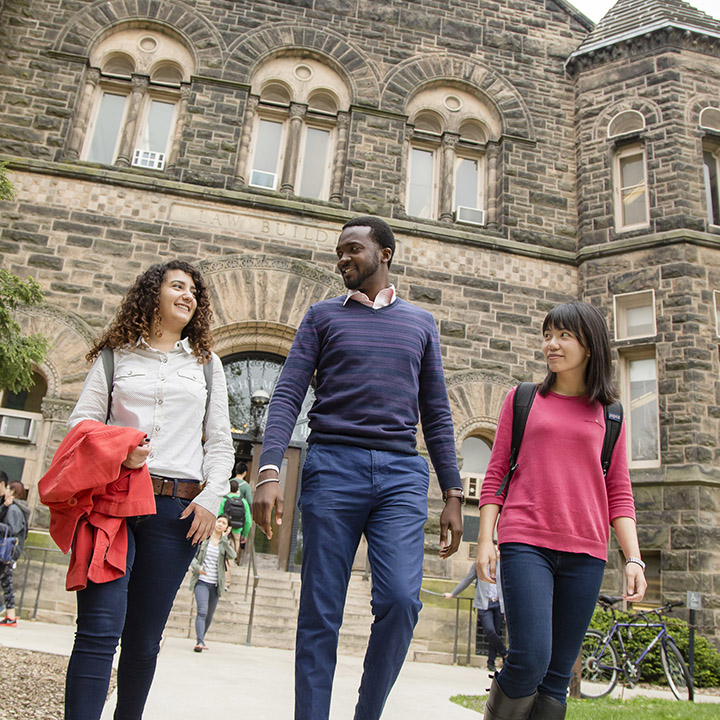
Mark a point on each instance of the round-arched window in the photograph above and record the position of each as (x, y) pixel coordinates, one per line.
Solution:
(256, 374)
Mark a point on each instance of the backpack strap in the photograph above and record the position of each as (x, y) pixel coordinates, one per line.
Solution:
(522, 402)
(208, 372)
(613, 423)
(108, 359)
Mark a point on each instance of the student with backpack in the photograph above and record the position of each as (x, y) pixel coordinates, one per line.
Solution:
(238, 511)
(557, 505)
(14, 514)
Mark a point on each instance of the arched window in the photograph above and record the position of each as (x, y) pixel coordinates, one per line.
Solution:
(626, 122)
(475, 453)
(131, 104)
(449, 129)
(297, 116)
(710, 120)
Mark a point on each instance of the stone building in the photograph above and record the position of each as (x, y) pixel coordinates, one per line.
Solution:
(522, 155)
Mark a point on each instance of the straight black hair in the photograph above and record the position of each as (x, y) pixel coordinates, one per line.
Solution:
(588, 325)
(380, 231)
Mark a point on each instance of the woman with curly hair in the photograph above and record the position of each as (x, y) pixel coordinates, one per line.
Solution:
(160, 344)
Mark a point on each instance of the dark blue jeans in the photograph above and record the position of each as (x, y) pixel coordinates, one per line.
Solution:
(549, 600)
(206, 599)
(492, 622)
(135, 608)
(347, 492)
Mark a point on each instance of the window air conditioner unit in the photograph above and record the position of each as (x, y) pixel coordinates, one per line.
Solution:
(471, 216)
(149, 159)
(262, 179)
(473, 485)
(17, 427)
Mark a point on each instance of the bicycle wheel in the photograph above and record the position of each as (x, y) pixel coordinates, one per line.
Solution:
(676, 672)
(600, 665)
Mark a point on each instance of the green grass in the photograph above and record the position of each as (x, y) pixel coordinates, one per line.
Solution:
(609, 709)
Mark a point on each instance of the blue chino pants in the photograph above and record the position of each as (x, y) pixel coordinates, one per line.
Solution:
(549, 600)
(347, 492)
(492, 622)
(135, 608)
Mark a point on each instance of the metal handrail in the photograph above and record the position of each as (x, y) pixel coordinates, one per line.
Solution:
(458, 600)
(26, 562)
(251, 566)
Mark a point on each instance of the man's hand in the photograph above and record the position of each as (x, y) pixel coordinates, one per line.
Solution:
(451, 519)
(486, 561)
(202, 524)
(136, 458)
(267, 496)
(447, 596)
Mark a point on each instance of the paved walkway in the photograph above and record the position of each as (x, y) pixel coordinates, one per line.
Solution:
(192, 685)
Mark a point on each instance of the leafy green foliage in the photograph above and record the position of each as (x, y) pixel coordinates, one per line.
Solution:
(17, 352)
(7, 190)
(637, 708)
(707, 658)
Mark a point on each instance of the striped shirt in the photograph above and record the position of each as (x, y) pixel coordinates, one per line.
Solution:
(379, 372)
(210, 565)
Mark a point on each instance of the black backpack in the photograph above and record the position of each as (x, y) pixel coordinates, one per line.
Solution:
(522, 402)
(235, 508)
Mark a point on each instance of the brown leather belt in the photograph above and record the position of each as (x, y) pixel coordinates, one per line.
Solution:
(183, 489)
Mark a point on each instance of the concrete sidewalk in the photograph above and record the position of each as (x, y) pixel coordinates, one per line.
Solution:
(260, 680)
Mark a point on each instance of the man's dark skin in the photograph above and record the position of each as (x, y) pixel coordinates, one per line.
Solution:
(364, 266)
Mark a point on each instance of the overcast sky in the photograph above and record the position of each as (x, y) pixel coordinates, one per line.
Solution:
(596, 9)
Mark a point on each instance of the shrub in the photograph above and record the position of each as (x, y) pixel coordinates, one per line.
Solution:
(707, 658)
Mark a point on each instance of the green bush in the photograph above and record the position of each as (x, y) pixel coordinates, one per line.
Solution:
(707, 658)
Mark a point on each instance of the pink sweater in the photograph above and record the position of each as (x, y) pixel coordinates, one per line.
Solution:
(558, 498)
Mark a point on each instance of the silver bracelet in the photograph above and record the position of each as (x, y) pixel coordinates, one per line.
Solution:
(635, 560)
(267, 480)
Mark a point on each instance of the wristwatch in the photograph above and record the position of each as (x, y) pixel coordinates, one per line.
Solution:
(635, 560)
(454, 492)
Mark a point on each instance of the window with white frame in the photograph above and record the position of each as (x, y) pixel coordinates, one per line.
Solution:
(634, 315)
(446, 155)
(299, 106)
(131, 99)
(631, 189)
(711, 172)
(640, 399)
(716, 298)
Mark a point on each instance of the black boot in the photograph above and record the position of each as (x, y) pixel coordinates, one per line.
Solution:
(547, 708)
(500, 707)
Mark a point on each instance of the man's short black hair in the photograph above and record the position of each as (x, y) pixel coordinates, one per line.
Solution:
(380, 231)
(240, 467)
(4, 478)
(234, 485)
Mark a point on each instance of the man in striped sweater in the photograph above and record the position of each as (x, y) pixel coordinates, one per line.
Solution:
(378, 372)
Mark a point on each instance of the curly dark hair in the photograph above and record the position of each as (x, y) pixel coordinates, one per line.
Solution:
(137, 309)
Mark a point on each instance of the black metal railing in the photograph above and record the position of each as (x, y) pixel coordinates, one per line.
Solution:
(23, 569)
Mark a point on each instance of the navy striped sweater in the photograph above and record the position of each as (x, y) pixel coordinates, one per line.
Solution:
(379, 371)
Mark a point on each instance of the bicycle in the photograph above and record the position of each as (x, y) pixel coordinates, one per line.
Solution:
(602, 663)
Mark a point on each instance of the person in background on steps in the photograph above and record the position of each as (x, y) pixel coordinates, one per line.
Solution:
(488, 602)
(237, 508)
(245, 492)
(556, 512)
(14, 517)
(208, 577)
(379, 372)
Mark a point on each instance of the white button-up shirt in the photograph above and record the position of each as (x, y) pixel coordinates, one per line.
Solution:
(163, 395)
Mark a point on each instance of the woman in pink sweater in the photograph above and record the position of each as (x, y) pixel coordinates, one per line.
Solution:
(554, 527)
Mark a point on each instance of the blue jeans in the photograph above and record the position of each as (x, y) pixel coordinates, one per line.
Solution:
(549, 600)
(347, 492)
(134, 607)
(492, 622)
(206, 599)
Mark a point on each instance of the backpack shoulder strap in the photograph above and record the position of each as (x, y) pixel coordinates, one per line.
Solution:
(522, 402)
(208, 372)
(108, 359)
(613, 423)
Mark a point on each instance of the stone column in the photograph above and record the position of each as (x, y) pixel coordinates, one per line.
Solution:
(181, 113)
(447, 176)
(491, 191)
(341, 146)
(242, 171)
(292, 148)
(139, 89)
(79, 131)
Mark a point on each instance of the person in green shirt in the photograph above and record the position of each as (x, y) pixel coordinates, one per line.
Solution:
(237, 509)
